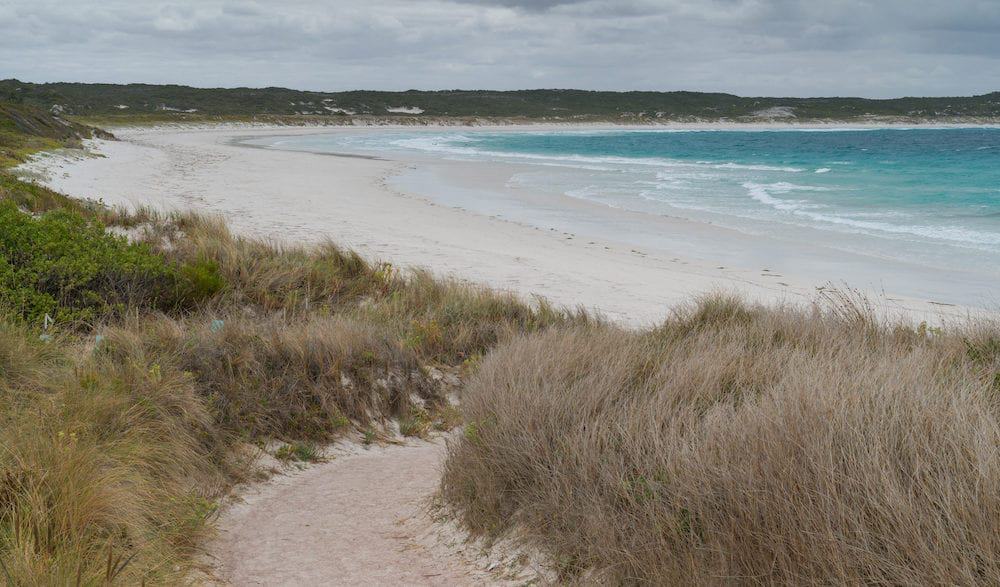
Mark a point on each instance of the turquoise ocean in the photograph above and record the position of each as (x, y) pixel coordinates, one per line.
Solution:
(927, 197)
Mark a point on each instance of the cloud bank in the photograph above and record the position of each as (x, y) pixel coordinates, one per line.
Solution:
(872, 48)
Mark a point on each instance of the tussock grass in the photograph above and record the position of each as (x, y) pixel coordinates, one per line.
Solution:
(440, 319)
(742, 444)
(271, 377)
(105, 465)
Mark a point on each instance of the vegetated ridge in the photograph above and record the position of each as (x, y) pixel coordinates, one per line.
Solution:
(183, 102)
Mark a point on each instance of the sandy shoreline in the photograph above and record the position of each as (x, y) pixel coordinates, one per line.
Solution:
(308, 197)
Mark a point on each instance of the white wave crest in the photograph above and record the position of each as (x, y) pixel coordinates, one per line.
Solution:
(953, 234)
(756, 167)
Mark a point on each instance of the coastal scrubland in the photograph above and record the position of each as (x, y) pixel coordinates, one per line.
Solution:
(146, 358)
(174, 102)
(176, 350)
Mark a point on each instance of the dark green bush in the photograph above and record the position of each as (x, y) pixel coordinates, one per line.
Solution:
(199, 280)
(63, 264)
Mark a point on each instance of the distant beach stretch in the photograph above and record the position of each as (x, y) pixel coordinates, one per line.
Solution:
(628, 221)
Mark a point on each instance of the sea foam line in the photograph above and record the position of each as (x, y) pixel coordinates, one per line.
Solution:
(954, 234)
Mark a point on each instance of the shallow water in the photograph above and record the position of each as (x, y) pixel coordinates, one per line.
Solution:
(926, 197)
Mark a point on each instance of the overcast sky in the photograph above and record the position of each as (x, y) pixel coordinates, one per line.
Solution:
(874, 48)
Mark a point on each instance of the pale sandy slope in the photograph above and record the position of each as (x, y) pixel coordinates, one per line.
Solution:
(360, 519)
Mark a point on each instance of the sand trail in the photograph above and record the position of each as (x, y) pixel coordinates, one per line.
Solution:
(359, 519)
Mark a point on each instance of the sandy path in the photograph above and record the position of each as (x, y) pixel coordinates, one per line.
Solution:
(359, 519)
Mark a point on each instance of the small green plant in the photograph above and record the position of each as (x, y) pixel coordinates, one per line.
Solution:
(416, 422)
(369, 436)
(471, 432)
(639, 488)
(339, 421)
(984, 351)
(447, 417)
(384, 276)
(424, 335)
(303, 452)
(472, 362)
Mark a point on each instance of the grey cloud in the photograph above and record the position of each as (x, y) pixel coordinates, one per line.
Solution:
(756, 47)
(525, 4)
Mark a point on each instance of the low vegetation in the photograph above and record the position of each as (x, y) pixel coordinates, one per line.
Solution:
(144, 356)
(741, 444)
(146, 102)
(25, 129)
(173, 352)
(63, 265)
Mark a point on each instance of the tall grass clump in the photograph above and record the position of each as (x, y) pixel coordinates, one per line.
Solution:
(741, 444)
(441, 320)
(106, 467)
(294, 379)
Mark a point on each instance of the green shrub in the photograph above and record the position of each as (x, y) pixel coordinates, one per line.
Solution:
(199, 281)
(62, 264)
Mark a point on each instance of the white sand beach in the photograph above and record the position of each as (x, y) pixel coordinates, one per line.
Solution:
(308, 197)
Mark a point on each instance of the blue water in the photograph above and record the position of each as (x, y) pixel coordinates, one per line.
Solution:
(928, 196)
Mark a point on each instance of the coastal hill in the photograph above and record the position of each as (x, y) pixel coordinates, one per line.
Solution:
(25, 129)
(145, 100)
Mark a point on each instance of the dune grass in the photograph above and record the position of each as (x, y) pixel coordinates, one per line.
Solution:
(741, 444)
(125, 421)
(107, 467)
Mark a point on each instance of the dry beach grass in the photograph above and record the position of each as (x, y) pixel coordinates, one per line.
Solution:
(742, 444)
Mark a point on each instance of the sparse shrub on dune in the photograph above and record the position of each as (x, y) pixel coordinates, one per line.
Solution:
(741, 444)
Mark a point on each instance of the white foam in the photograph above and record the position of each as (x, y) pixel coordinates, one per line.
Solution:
(953, 234)
(446, 144)
(823, 170)
(756, 167)
(760, 193)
